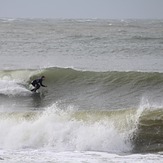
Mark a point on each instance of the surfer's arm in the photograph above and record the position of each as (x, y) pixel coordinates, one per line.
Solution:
(42, 84)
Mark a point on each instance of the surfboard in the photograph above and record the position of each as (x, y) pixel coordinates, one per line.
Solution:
(40, 92)
(37, 92)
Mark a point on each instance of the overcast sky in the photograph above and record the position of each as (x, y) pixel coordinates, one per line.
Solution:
(106, 9)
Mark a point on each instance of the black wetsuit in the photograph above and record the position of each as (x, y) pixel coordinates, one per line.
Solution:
(37, 83)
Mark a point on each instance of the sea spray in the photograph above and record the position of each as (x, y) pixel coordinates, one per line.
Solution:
(60, 130)
(13, 88)
(70, 129)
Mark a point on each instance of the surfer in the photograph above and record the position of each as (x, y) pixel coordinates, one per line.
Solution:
(37, 83)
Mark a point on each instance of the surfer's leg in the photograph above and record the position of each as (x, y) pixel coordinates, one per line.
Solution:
(36, 87)
(32, 89)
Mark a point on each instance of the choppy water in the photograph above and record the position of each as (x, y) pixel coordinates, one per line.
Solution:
(104, 97)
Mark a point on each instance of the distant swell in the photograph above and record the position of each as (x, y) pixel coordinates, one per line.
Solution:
(142, 38)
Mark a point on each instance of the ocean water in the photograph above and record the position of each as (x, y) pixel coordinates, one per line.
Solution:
(104, 100)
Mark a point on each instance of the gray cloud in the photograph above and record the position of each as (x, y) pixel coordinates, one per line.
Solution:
(120, 9)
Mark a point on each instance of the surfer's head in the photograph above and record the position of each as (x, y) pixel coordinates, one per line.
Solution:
(42, 77)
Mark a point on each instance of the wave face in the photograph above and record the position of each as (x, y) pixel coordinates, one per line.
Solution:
(88, 89)
(82, 110)
(149, 134)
